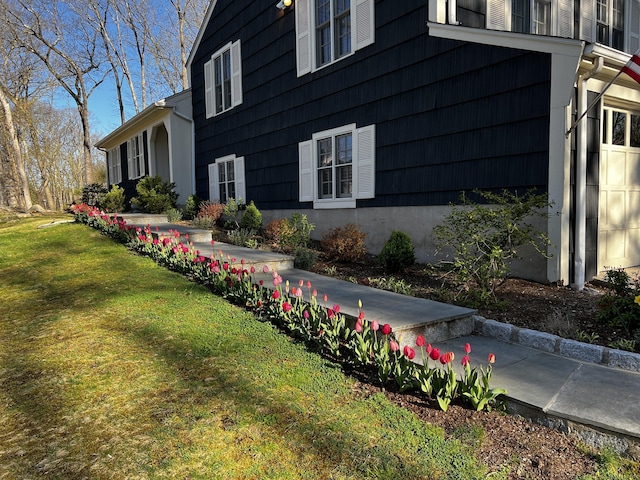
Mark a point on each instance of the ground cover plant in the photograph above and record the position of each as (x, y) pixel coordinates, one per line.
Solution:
(114, 367)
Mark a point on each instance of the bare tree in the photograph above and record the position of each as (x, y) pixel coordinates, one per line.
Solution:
(69, 49)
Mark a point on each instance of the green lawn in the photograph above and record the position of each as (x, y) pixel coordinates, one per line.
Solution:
(113, 367)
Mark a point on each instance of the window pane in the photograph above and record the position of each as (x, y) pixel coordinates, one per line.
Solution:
(520, 16)
(325, 156)
(230, 172)
(343, 34)
(605, 125)
(226, 59)
(325, 183)
(231, 189)
(541, 12)
(345, 181)
(618, 128)
(323, 12)
(222, 173)
(324, 45)
(602, 11)
(223, 193)
(217, 67)
(344, 149)
(634, 141)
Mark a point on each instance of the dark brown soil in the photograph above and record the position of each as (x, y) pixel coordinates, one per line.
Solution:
(504, 443)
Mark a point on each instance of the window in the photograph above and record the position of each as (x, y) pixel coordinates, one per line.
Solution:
(328, 30)
(621, 128)
(337, 167)
(226, 179)
(113, 166)
(531, 16)
(610, 23)
(223, 80)
(135, 157)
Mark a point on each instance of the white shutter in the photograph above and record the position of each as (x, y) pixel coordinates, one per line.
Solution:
(303, 36)
(365, 26)
(587, 20)
(365, 166)
(497, 15)
(236, 74)
(305, 161)
(208, 88)
(565, 18)
(634, 27)
(238, 168)
(130, 158)
(214, 187)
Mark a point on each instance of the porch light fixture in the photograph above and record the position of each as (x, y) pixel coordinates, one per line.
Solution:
(282, 4)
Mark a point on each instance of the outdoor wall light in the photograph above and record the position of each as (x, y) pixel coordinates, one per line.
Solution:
(282, 4)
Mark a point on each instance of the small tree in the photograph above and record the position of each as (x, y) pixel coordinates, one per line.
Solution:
(155, 195)
(398, 252)
(114, 199)
(486, 238)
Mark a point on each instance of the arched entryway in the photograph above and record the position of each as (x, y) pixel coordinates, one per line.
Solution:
(160, 152)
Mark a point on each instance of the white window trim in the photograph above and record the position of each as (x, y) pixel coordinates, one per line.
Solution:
(214, 183)
(236, 79)
(114, 166)
(137, 158)
(362, 33)
(560, 16)
(363, 167)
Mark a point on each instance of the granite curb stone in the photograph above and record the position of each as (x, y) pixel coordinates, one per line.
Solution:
(550, 343)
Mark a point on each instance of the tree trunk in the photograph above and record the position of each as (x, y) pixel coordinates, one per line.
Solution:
(22, 191)
(87, 165)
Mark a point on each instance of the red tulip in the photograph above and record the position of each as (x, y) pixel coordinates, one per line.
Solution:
(444, 359)
(429, 348)
(336, 308)
(386, 329)
(467, 348)
(435, 354)
(420, 341)
(361, 315)
(465, 360)
(492, 358)
(409, 352)
(286, 306)
(275, 295)
(300, 282)
(326, 298)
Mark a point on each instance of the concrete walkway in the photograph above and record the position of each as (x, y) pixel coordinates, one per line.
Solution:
(582, 389)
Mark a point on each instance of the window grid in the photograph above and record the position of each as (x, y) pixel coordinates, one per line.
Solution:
(222, 83)
(610, 23)
(541, 17)
(341, 169)
(333, 30)
(226, 180)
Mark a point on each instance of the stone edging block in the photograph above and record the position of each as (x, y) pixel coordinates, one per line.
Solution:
(547, 342)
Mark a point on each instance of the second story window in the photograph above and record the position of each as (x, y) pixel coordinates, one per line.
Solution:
(223, 80)
(541, 17)
(329, 30)
(531, 16)
(610, 23)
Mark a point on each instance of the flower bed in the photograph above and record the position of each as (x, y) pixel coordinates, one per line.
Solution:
(297, 310)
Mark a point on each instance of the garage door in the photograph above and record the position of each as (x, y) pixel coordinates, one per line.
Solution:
(619, 220)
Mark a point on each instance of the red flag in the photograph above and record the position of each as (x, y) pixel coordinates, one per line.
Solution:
(632, 68)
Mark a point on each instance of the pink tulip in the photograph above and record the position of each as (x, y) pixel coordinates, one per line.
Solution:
(358, 327)
(375, 325)
(465, 360)
(393, 346)
(265, 269)
(467, 348)
(420, 341)
(492, 358)
(300, 282)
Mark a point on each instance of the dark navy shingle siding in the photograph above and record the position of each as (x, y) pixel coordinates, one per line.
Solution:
(449, 116)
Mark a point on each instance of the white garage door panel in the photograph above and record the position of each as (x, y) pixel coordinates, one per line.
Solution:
(619, 219)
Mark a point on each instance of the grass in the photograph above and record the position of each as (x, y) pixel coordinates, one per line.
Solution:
(113, 367)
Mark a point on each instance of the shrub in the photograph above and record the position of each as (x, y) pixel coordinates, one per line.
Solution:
(93, 194)
(251, 218)
(174, 215)
(155, 195)
(276, 230)
(192, 207)
(242, 237)
(212, 211)
(486, 238)
(231, 213)
(298, 233)
(114, 200)
(345, 244)
(205, 223)
(398, 252)
(620, 308)
(304, 258)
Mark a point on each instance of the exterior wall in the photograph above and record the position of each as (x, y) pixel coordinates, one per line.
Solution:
(449, 116)
(181, 147)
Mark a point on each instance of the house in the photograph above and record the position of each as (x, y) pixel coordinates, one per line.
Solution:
(381, 113)
(157, 141)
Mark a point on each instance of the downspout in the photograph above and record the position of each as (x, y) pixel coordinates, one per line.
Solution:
(579, 254)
